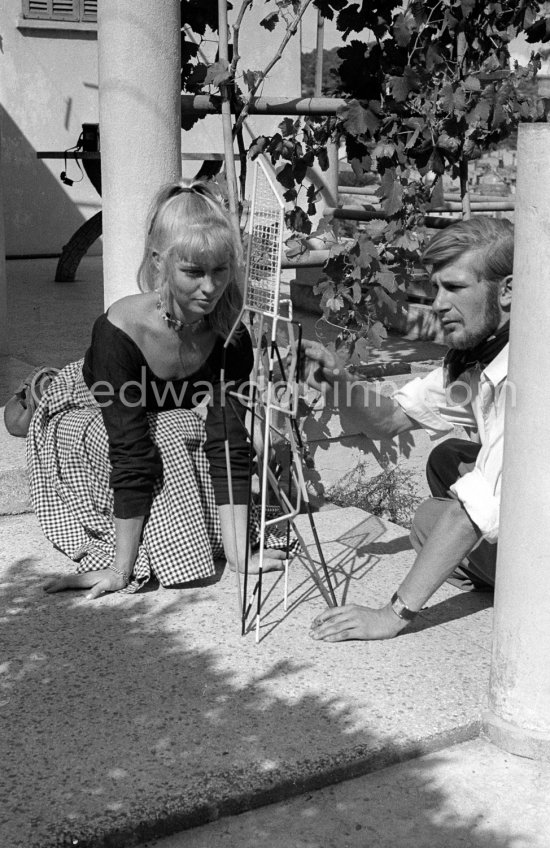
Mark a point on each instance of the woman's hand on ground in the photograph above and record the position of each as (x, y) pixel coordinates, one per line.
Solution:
(273, 560)
(98, 582)
(338, 624)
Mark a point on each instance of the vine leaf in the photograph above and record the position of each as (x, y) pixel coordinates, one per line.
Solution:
(376, 334)
(258, 146)
(386, 279)
(270, 21)
(251, 78)
(467, 7)
(360, 353)
(217, 73)
(400, 88)
(472, 83)
(359, 121)
(285, 176)
(401, 31)
(391, 192)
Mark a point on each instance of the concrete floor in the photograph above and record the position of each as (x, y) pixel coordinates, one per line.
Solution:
(466, 796)
(135, 716)
(132, 717)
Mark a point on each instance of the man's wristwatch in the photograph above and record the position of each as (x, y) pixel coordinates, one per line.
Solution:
(401, 610)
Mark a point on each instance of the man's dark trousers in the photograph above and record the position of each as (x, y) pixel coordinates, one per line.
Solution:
(446, 463)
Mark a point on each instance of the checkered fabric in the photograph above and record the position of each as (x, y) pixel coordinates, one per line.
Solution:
(68, 464)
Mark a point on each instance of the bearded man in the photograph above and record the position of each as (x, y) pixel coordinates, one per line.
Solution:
(454, 532)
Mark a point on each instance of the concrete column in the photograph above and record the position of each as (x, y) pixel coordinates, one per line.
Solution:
(4, 345)
(518, 715)
(140, 125)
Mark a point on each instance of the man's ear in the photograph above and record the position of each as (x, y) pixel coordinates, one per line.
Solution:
(505, 295)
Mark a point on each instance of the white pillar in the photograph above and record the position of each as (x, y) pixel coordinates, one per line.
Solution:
(518, 715)
(4, 345)
(139, 124)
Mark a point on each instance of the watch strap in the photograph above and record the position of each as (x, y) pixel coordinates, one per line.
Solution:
(400, 609)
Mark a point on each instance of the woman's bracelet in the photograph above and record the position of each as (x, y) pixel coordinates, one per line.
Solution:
(121, 573)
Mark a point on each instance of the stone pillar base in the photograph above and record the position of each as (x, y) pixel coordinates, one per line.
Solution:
(514, 739)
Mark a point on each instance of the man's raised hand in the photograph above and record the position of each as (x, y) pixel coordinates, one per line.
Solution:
(320, 365)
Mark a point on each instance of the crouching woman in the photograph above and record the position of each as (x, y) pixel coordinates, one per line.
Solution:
(125, 452)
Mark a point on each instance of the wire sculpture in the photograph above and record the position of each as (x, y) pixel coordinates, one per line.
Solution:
(272, 397)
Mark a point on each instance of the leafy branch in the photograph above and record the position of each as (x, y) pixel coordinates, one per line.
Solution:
(261, 76)
(430, 92)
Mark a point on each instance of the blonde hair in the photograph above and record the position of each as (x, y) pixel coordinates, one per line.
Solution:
(188, 222)
(490, 241)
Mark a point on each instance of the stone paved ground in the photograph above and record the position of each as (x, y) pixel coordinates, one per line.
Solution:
(467, 796)
(134, 716)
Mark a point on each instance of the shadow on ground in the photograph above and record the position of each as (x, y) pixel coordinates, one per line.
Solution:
(121, 727)
(431, 802)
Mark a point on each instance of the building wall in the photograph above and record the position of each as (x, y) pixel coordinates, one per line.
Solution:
(48, 89)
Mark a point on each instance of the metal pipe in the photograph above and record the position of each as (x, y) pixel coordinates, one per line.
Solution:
(353, 213)
(203, 104)
(310, 259)
(476, 206)
(319, 54)
(363, 190)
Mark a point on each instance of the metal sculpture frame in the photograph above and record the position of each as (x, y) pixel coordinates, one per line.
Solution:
(274, 403)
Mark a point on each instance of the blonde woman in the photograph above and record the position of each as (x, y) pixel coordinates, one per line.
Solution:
(126, 449)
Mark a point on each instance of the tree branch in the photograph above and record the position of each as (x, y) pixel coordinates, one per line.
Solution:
(236, 30)
(424, 28)
(291, 30)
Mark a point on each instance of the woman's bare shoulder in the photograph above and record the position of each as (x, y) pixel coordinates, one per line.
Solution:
(131, 313)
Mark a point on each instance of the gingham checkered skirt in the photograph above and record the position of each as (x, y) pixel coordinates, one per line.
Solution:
(68, 465)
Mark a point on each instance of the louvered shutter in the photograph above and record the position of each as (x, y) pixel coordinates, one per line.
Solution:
(66, 10)
(89, 10)
(60, 10)
(37, 9)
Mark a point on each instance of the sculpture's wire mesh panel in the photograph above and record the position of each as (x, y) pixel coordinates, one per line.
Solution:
(265, 245)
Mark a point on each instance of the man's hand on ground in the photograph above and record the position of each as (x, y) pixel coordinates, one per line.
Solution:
(355, 622)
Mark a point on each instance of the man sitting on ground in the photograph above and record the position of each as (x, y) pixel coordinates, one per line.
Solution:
(455, 531)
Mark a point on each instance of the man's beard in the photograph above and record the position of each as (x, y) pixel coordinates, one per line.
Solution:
(490, 321)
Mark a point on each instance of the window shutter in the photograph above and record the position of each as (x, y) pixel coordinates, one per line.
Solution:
(37, 8)
(66, 10)
(89, 10)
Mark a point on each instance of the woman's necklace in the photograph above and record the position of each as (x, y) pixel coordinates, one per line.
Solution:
(175, 323)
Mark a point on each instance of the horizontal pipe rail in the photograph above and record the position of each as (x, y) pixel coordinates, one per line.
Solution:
(310, 259)
(362, 190)
(203, 104)
(480, 198)
(353, 213)
(95, 154)
(356, 213)
(477, 206)
(371, 190)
